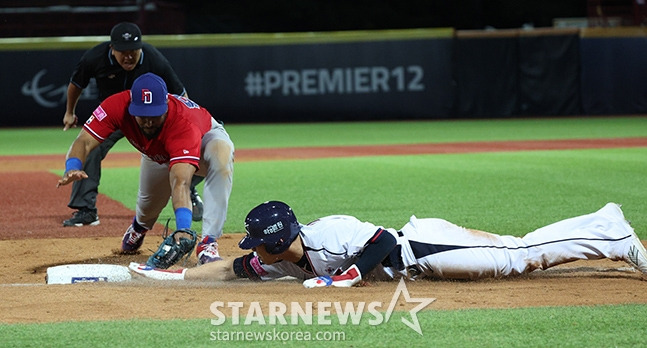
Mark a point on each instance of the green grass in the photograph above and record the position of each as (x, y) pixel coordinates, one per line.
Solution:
(44, 141)
(507, 192)
(413, 132)
(15, 141)
(591, 326)
(504, 192)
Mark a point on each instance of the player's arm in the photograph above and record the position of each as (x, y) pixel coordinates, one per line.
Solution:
(213, 271)
(376, 249)
(75, 158)
(228, 269)
(180, 179)
(221, 270)
(73, 94)
(247, 266)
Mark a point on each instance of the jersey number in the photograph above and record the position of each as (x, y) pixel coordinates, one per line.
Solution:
(188, 102)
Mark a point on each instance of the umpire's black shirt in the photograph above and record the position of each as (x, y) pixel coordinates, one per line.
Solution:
(111, 78)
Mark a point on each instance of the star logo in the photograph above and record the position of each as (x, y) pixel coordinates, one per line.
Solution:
(424, 302)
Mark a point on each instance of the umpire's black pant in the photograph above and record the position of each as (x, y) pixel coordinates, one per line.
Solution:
(84, 192)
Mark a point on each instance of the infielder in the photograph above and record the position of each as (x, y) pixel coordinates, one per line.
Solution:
(341, 250)
(114, 65)
(177, 139)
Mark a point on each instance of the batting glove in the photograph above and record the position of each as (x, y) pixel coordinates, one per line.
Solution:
(347, 279)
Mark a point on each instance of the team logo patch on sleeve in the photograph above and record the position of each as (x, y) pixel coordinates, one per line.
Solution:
(99, 113)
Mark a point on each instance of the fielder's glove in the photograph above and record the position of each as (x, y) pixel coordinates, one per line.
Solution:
(172, 250)
(347, 279)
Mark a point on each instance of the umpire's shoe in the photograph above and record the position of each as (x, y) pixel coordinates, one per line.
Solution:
(198, 207)
(83, 217)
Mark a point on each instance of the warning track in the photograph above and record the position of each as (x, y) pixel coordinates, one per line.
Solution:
(131, 159)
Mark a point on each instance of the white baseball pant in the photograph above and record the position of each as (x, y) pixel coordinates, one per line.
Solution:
(441, 249)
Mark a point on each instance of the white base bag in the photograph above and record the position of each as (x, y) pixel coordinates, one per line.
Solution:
(90, 273)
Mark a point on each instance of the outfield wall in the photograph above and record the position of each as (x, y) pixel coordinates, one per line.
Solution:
(360, 75)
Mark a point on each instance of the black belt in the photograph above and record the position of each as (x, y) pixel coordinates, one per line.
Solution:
(394, 260)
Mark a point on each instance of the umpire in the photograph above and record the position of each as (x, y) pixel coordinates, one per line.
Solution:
(114, 65)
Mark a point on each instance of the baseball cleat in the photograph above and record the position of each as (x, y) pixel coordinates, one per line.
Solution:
(637, 255)
(207, 251)
(132, 240)
(82, 217)
(157, 273)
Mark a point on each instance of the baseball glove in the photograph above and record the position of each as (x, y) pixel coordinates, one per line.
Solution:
(173, 249)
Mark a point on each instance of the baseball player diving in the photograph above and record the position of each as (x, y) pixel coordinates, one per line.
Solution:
(341, 250)
(177, 139)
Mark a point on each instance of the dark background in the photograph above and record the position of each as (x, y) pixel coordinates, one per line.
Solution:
(322, 15)
(472, 73)
(76, 17)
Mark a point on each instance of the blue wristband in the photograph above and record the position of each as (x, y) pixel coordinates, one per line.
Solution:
(183, 218)
(73, 163)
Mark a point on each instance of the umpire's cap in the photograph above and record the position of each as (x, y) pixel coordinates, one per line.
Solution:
(272, 224)
(126, 36)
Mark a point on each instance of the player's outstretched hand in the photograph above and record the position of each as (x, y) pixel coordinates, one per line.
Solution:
(347, 279)
(71, 176)
(157, 273)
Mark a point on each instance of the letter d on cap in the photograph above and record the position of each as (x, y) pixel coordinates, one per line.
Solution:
(147, 96)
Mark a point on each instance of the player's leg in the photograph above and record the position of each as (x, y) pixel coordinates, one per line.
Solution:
(83, 197)
(602, 234)
(153, 195)
(154, 192)
(444, 250)
(218, 158)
